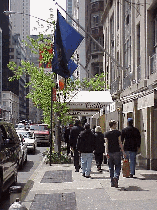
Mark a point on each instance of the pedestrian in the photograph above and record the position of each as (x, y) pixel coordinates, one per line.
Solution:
(75, 131)
(67, 137)
(86, 146)
(132, 140)
(99, 147)
(113, 147)
(93, 129)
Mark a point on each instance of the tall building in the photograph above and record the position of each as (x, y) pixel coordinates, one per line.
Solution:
(130, 36)
(78, 9)
(69, 4)
(93, 25)
(20, 22)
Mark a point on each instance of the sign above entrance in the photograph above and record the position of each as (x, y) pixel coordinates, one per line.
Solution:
(89, 100)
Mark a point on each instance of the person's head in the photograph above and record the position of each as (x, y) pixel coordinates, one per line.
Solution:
(87, 126)
(77, 122)
(130, 121)
(70, 124)
(112, 123)
(98, 129)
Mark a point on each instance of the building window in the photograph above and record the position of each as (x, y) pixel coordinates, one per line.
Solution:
(95, 20)
(11, 56)
(127, 53)
(118, 15)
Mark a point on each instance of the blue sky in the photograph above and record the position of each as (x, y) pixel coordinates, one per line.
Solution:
(40, 9)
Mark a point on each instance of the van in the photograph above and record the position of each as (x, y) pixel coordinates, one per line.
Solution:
(9, 155)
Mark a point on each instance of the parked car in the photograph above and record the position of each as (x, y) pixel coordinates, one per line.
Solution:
(23, 152)
(29, 140)
(9, 155)
(20, 126)
(41, 133)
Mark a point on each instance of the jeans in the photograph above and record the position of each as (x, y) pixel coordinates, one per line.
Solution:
(132, 157)
(86, 163)
(114, 161)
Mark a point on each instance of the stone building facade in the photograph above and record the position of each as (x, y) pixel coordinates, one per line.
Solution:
(130, 36)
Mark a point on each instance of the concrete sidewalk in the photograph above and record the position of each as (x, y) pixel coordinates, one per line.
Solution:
(59, 187)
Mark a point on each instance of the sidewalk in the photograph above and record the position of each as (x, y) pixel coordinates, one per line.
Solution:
(59, 187)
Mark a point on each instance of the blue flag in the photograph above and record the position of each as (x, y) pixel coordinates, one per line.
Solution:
(66, 41)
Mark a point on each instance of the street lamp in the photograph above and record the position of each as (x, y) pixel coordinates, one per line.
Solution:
(7, 12)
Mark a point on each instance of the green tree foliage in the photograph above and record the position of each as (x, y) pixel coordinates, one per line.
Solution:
(41, 82)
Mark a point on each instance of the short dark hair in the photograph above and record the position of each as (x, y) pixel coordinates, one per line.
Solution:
(112, 122)
(77, 122)
(87, 126)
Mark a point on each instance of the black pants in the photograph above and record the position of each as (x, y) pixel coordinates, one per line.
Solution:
(76, 159)
(68, 148)
(98, 158)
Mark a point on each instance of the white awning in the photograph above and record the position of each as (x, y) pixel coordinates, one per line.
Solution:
(89, 100)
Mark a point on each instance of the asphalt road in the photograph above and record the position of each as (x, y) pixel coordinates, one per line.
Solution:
(24, 174)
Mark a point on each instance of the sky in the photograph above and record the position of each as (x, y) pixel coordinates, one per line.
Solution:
(41, 9)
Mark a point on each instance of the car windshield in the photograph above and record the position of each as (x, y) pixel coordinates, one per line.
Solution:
(26, 134)
(39, 127)
(20, 126)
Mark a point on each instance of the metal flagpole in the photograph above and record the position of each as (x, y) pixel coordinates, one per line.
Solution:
(112, 58)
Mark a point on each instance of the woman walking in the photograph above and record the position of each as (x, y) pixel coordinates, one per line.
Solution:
(99, 147)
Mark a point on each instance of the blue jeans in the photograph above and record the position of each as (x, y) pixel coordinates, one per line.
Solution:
(86, 163)
(114, 161)
(132, 157)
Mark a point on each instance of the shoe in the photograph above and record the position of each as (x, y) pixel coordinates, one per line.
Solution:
(131, 176)
(83, 174)
(112, 184)
(76, 170)
(88, 176)
(115, 181)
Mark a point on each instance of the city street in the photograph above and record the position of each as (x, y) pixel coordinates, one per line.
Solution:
(23, 175)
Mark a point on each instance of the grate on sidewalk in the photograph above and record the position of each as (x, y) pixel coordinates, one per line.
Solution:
(56, 201)
(57, 176)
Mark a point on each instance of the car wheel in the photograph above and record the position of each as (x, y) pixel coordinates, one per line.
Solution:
(26, 159)
(34, 151)
(22, 162)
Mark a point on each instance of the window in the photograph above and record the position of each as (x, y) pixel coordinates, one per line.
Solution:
(95, 20)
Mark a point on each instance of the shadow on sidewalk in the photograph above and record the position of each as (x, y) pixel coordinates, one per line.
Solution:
(131, 188)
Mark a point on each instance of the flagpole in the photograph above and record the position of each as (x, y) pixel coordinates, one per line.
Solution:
(112, 58)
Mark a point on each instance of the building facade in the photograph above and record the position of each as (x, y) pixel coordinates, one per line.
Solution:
(20, 22)
(79, 16)
(93, 25)
(130, 36)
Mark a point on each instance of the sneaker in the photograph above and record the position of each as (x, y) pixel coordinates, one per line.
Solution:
(115, 181)
(131, 176)
(112, 184)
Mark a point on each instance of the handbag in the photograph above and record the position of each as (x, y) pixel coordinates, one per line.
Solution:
(126, 168)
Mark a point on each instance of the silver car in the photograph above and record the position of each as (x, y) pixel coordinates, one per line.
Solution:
(29, 140)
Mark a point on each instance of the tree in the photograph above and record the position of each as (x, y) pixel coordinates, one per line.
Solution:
(42, 82)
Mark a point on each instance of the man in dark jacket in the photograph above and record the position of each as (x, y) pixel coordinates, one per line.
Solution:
(75, 131)
(86, 146)
(67, 137)
(132, 141)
